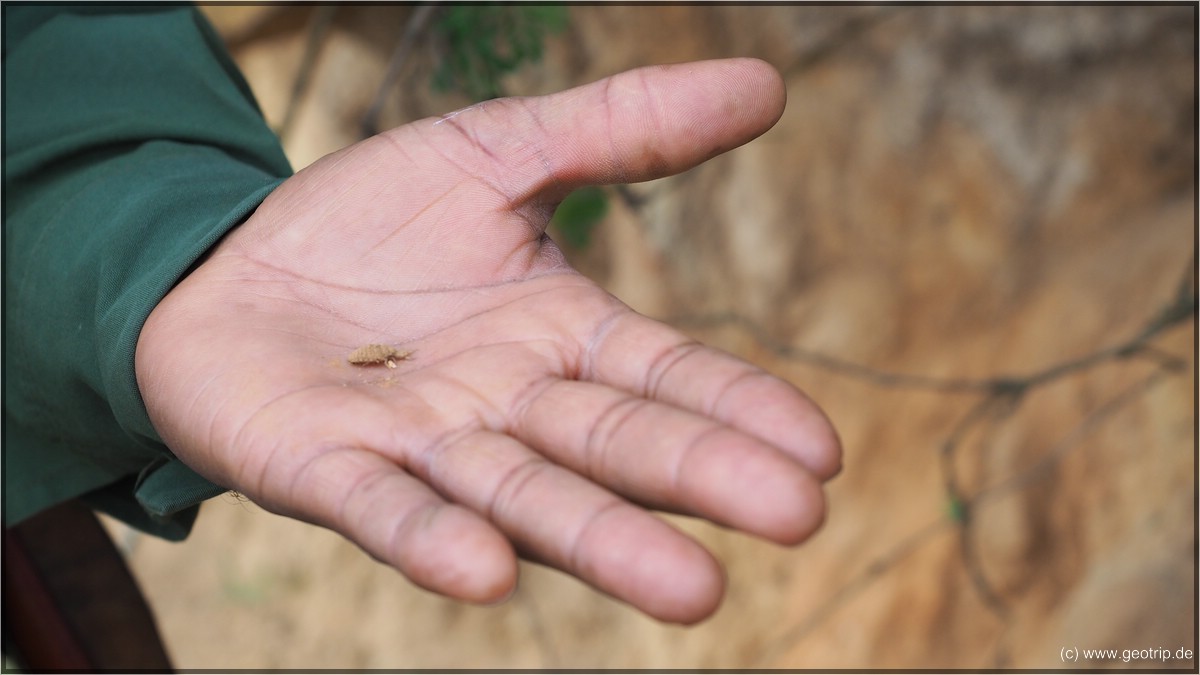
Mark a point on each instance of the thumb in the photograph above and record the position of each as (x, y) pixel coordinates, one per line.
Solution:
(636, 126)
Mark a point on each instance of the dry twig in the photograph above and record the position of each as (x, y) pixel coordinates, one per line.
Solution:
(412, 29)
(1002, 396)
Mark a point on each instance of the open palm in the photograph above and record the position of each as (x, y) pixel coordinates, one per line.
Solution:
(535, 412)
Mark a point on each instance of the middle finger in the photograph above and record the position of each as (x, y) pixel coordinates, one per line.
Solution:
(671, 458)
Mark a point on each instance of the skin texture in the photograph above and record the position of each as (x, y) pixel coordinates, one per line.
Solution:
(538, 416)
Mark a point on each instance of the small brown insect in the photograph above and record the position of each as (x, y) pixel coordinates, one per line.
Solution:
(373, 355)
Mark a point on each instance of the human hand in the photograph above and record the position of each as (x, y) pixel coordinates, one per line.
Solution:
(536, 411)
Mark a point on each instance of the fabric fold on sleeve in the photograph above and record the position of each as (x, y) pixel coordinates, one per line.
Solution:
(131, 146)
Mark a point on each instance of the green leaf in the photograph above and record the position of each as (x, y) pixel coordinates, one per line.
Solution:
(579, 214)
(484, 43)
(956, 510)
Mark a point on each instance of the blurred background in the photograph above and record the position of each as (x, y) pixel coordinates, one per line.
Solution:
(971, 239)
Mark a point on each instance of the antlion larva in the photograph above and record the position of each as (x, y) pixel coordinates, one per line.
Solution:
(372, 355)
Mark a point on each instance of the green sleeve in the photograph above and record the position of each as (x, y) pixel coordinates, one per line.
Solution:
(131, 145)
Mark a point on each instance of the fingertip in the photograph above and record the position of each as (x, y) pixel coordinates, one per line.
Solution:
(649, 564)
(775, 411)
(817, 445)
(740, 482)
(734, 100)
(824, 451)
(694, 586)
(784, 504)
(459, 555)
(801, 513)
(770, 88)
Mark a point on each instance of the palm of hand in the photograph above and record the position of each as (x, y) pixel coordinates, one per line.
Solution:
(535, 410)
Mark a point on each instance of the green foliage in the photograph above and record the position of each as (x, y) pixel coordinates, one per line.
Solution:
(956, 510)
(482, 43)
(486, 42)
(579, 214)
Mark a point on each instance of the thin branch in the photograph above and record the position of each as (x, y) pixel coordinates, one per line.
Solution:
(318, 26)
(831, 363)
(1164, 359)
(412, 28)
(1181, 308)
(849, 31)
(973, 564)
(971, 558)
(991, 409)
(633, 200)
(888, 560)
(1003, 396)
(850, 590)
(1055, 454)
